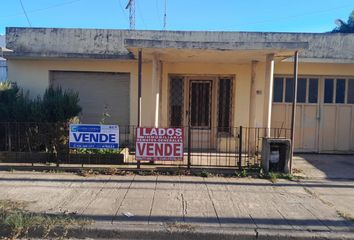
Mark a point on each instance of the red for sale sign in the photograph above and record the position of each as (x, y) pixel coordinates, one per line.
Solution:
(155, 144)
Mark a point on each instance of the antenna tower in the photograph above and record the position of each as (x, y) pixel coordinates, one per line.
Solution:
(131, 6)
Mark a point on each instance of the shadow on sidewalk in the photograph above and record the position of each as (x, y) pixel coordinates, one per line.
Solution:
(329, 166)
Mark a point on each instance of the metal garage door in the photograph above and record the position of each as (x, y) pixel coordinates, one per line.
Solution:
(324, 114)
(99, 92)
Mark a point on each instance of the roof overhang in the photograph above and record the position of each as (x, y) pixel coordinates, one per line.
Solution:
(189, 51)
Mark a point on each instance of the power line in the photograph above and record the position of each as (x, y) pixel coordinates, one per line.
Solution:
(164, 21)
(141, 16)
(24, 11)
(157, 7)
(165, 16)
(122, 9)
(41, 9)
(157, 10)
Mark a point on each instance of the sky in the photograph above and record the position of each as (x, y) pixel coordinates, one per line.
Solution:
(207, 15)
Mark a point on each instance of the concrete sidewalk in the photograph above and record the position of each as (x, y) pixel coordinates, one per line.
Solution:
(322, 166)
(222, 207)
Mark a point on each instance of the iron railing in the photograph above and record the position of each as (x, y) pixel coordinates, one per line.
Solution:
(235, 147)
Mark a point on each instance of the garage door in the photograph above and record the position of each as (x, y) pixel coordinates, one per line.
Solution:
(99, 92)
(324, 113)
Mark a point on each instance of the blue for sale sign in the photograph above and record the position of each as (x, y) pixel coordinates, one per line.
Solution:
(94, 136)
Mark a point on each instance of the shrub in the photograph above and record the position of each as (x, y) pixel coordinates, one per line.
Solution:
(59, 106)
(15, 105)
(204, 173)
(56, 105)
(49, 114)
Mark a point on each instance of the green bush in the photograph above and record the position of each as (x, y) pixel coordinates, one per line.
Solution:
(14, 103)
(56, 105)
(44, 120)
(204, 173)
(59, 105)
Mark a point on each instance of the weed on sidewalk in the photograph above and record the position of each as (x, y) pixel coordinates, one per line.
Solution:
(16, 222)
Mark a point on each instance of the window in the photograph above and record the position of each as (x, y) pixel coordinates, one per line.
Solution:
(350, 94)
(340, 90)
(335, 90)
(307, 90)
(278, 90)
(289, 92)
(313, 90)
(224, 105)
(176, 102)
(301, 90)
(328, 92)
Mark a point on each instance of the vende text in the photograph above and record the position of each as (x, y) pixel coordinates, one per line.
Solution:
(159, 144)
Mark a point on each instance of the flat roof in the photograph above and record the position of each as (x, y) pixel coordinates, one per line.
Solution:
(121, 44)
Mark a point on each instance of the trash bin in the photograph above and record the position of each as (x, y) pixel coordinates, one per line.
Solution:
(276, 154)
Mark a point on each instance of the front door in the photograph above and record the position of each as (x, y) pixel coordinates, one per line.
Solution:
(200, 112)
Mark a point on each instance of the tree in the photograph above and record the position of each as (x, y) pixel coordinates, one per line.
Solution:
(345, 27)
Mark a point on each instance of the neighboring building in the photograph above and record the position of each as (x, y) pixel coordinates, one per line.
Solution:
(3, 65)
(217, 80)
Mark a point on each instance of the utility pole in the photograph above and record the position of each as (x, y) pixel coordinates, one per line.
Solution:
(131, 6)
(293, 114)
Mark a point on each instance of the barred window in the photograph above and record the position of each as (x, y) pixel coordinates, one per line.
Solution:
(176, 101)
(224, 104)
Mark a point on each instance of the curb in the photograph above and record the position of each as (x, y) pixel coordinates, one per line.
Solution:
(163, 231)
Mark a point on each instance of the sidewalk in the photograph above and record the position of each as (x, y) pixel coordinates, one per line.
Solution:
(153, 206)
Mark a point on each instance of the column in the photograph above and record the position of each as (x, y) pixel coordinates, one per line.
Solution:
(252, 109)
(268, 92)
(253, 94)
(155, 87)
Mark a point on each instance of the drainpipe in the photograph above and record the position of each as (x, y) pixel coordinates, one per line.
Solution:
(293, 114)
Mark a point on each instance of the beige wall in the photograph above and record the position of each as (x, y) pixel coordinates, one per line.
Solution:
(34, 76)
(316, 69)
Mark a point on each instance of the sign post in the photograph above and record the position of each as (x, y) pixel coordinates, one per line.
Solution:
(159, 144)
(94, 136)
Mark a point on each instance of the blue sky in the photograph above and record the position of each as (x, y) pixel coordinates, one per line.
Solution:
(225, 15)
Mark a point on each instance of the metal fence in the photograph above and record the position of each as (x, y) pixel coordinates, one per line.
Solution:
(234, 147)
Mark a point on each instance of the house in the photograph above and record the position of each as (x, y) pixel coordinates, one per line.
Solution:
(211, 80)
(3, 65)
